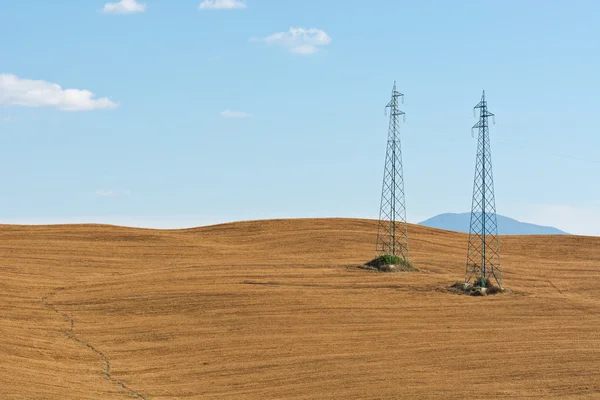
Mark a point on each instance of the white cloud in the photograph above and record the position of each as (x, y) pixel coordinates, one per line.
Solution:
(221, 4)
(299, 40)
(234, 114)
(105, 193)
(124, 7)
(15, 91)
(7, 119)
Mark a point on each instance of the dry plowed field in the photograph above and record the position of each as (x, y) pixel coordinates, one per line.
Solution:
(269, 310)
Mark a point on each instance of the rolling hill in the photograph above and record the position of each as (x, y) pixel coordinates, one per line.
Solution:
(270, 309)
(506, 226)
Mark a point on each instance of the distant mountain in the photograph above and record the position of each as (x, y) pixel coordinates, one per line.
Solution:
(506, 226)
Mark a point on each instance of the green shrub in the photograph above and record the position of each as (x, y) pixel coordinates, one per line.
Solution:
(482, 282)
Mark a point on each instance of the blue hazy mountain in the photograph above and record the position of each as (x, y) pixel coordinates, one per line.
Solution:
(506, 226)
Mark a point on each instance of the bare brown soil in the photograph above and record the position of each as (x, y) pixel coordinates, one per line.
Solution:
(269, 309)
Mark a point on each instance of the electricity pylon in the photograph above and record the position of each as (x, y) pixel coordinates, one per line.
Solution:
(483, 256)
(392, 233)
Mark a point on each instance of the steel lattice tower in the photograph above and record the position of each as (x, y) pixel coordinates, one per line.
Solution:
(483, 256)
(392, 233)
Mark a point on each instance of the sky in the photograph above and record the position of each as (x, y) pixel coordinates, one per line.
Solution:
(173, 114)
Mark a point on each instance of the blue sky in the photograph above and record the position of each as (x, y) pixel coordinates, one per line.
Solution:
(271, 109)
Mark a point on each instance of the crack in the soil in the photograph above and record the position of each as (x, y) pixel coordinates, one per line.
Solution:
(71, 335)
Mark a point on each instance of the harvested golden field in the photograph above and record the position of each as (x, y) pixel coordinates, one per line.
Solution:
(269, 310)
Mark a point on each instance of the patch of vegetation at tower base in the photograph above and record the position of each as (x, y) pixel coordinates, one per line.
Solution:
(389, 263)
(481, 287)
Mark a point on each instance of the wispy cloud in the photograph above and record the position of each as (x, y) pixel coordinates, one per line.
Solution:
(124, 7)
(105, 193)
(15, 91)
(299, 40)
(234, 114)
(221, 4)
(112, 193)
(7, 119)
